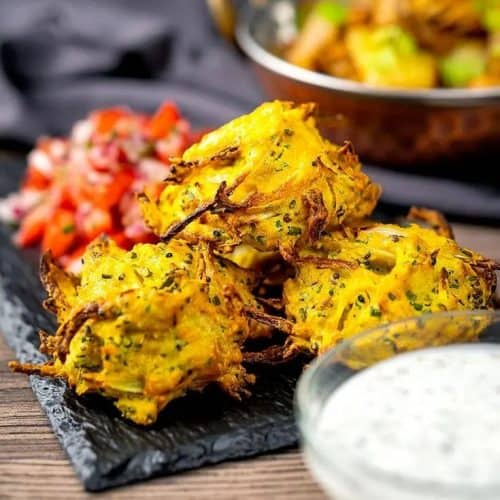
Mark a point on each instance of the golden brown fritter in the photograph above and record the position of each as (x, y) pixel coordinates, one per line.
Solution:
(143, 327)
(380, 274)
(267, 179)
(438, 25)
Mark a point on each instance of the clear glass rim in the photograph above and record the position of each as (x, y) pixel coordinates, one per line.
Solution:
(306, 422)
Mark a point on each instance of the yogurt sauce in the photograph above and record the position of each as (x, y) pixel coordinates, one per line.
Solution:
(421, 425)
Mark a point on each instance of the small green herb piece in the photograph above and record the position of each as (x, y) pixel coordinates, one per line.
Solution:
(294, 231)
(68, 228)
(169, 280)
(303, 313)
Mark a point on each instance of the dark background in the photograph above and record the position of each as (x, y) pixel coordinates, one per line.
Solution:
(62, 58)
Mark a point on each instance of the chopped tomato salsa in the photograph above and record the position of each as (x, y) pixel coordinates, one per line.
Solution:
(79, 187)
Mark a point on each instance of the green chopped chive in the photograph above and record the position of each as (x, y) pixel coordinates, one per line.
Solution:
(168, 282)
(303, 313)
(294, 231)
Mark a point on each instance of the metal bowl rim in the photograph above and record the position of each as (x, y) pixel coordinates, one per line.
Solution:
(429, 97)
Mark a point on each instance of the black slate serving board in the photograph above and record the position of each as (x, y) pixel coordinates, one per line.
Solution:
(108, 451)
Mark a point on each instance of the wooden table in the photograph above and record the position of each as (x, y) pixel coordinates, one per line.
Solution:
(32, 465)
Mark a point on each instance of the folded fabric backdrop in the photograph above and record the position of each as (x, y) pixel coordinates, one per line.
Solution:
(62, 58)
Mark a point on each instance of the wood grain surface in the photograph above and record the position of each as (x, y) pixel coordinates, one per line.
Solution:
(32, 464)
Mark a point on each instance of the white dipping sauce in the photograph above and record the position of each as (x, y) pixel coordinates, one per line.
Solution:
(422, 425)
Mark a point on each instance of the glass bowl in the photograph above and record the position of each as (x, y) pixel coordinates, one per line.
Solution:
(353, 461)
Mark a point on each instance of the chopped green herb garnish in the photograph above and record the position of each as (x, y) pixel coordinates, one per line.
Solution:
(303, 313)
(294, 231)
(169, 280)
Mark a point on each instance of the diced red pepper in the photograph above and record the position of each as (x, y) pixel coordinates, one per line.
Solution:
(106, 119)
(36, 180)
(95, 223)
(60, 233)
(162, 122)
(33, 226)
(102, 195)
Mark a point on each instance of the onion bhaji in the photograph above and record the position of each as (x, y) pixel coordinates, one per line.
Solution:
(143, 327)
(267, 179)
(378, 274)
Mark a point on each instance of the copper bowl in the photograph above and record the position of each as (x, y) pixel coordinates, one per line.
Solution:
(387, 126)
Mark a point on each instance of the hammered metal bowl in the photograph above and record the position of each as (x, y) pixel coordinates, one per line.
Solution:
(387, 126)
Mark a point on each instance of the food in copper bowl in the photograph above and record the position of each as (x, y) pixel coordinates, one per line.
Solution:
(401, 44)
(409, 82)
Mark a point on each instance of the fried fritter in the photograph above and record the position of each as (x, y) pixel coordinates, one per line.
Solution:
(438, 25)
(267, 180)
(383, 273)
(143, 327)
